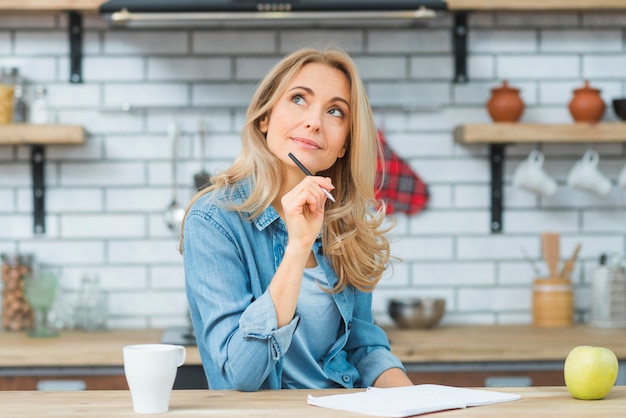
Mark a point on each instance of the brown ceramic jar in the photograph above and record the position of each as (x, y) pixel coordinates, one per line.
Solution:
(587, 104)
(505, 104)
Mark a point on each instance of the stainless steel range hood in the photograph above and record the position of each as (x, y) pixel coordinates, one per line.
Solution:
(261, 13)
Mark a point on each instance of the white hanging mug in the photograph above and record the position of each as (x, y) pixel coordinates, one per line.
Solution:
(622, 178)
(586, 176)
(530, 176)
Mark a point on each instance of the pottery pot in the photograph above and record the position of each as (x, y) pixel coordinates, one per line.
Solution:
(587, 104)
(505, 104)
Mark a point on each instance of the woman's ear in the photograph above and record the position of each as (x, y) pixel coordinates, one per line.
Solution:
(344, 149)
(263, 124)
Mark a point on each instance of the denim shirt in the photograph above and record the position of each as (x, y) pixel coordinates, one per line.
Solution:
(229, 263)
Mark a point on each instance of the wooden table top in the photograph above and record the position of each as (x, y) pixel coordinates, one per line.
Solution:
(535, 402)
(443, 344)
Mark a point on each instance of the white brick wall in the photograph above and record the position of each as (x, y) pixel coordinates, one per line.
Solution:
(105, 199)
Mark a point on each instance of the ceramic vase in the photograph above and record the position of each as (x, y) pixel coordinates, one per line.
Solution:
(505, 104)
(587, 104)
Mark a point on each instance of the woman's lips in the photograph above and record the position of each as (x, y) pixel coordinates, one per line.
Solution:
(306, 143)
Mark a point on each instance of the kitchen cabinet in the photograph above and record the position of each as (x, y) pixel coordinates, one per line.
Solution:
(451, 355)
(498, 355)
(502, 376)
(68, 380)
(94, 360)
(88, 378)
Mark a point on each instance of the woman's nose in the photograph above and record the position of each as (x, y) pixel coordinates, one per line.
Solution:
(313, 121)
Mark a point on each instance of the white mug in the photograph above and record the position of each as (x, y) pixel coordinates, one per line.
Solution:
(530, 176)
(622, 178)
(150, 371)
(586, 176)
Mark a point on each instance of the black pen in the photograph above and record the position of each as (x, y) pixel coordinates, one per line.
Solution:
(308, 173)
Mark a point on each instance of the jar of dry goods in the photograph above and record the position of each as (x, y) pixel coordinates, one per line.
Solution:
(17, 314)
(9, 77)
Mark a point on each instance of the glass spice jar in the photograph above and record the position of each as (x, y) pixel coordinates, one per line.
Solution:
(9, 77)
(17, 314)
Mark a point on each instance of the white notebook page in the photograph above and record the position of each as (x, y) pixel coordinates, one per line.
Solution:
(410, 400)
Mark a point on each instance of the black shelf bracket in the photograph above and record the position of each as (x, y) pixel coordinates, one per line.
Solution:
(459, 36)
(37, 163)
(496, 157)
(75, 29)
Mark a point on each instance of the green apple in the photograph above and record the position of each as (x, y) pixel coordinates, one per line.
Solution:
(590, 372)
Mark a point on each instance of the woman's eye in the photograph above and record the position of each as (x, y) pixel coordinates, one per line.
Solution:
(337, 112)
(297, 99)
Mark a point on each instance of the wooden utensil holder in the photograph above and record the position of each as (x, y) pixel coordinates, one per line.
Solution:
(553, 302)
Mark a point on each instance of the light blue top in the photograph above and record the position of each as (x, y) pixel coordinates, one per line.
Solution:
(319, 322)
(229, 263)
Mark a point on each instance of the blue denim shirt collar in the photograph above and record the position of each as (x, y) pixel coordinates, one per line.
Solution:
(268, 216)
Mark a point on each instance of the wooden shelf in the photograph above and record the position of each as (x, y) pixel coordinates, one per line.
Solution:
(51, 5)
(18, 134)
(38, 137)
(543, 5)
(504, 133)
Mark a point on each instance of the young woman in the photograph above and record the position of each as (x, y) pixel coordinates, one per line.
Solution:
(278, 277)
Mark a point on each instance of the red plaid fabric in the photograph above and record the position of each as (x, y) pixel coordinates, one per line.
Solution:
(402, 189)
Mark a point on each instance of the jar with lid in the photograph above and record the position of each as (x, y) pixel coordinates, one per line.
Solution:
(91, 310)
(17, 314)
(39, 113)
(20, 107)
(505, 104)
(9, 77)
(587, 104)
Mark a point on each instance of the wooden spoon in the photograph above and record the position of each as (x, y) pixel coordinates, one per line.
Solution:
(569, 264)
(551, 251)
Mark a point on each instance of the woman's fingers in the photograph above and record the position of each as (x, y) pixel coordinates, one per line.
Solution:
(303, 208)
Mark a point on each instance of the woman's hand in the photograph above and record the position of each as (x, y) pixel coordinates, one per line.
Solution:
(392, 378)
(303, 208)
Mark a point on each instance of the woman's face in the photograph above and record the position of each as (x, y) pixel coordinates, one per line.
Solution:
(311, 119)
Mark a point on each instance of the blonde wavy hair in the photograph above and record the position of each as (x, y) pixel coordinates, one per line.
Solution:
(353, 236)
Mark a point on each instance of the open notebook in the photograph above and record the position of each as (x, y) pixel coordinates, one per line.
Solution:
(410, 400)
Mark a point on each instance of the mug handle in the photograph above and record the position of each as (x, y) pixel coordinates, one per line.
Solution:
(536, 157)
(182, 355)
(592, 157)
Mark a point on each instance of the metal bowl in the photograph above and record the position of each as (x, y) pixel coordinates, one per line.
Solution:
(416, 312)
